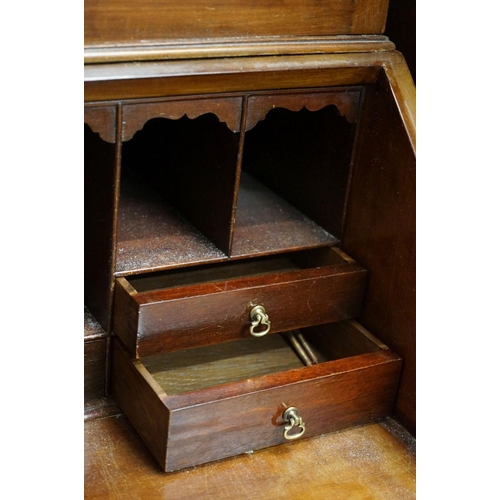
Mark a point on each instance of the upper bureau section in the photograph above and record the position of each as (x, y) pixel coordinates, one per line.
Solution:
(147, 29)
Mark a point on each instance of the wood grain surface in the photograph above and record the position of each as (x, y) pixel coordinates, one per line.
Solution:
(102, 120)
(152, 235)
(196, 369)
(100, 185)
(240, 47)
(118, 22)
(96, 368)
(227, 110)
(370, 462)
(210, 423)
(380, 225)
(95, 352)
(266, 223)
(251, 420)
(192, 164)
(170, 78)
(346, 102)
(304, 157)
(207, 313)
(141, 399)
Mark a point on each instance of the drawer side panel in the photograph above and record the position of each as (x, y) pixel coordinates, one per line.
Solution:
(139, 401)
(126, 315)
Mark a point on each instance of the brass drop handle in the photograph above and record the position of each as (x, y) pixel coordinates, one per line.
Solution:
(258, 317)
(291, 415)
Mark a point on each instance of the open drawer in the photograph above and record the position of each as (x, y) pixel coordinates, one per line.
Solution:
(191, 307)
(212, 402)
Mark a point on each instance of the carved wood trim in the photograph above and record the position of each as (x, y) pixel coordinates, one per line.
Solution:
(346, 102)
(261, 46)
(102, 120)
(135, 116)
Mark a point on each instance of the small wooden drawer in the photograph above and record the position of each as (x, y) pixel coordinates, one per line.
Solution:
(208, 403)
(180, 309)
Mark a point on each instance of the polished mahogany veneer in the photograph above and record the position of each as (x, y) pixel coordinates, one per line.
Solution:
(200, 306)
(218, 187)
(354, 382)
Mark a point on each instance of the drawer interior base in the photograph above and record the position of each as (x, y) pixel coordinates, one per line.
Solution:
(210, 273)
(194, 369)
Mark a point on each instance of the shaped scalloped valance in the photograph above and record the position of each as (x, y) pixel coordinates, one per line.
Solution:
(102, 120)
(258, 106)
(228, 110)
(135, 116)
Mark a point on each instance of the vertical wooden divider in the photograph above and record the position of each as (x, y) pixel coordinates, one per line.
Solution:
(239, 161)
(116, 195)
(100, 190)
(351, 163)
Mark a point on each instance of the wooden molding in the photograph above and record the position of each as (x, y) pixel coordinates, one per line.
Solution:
(102, 120)
(135, 116)
(258, 106)
(195, 49)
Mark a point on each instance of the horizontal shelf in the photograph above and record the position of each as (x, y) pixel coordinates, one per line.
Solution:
(267, 224)
(92, 329)
(153, 236)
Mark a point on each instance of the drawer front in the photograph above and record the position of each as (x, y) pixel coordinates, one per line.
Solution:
(215, 312)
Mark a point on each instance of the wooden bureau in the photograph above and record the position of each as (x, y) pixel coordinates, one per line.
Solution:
(249, 222)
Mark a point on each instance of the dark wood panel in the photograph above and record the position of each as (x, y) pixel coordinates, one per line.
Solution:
(401, 29)
(94, 369)
(341, 340)
(380, 232)
(129, 21)
(102, 120)
(184, 85)
(175, 78)
(99, 219)
(92, 330)
(126, 314)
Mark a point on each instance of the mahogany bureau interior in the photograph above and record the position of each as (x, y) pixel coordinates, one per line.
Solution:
(249, 243)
